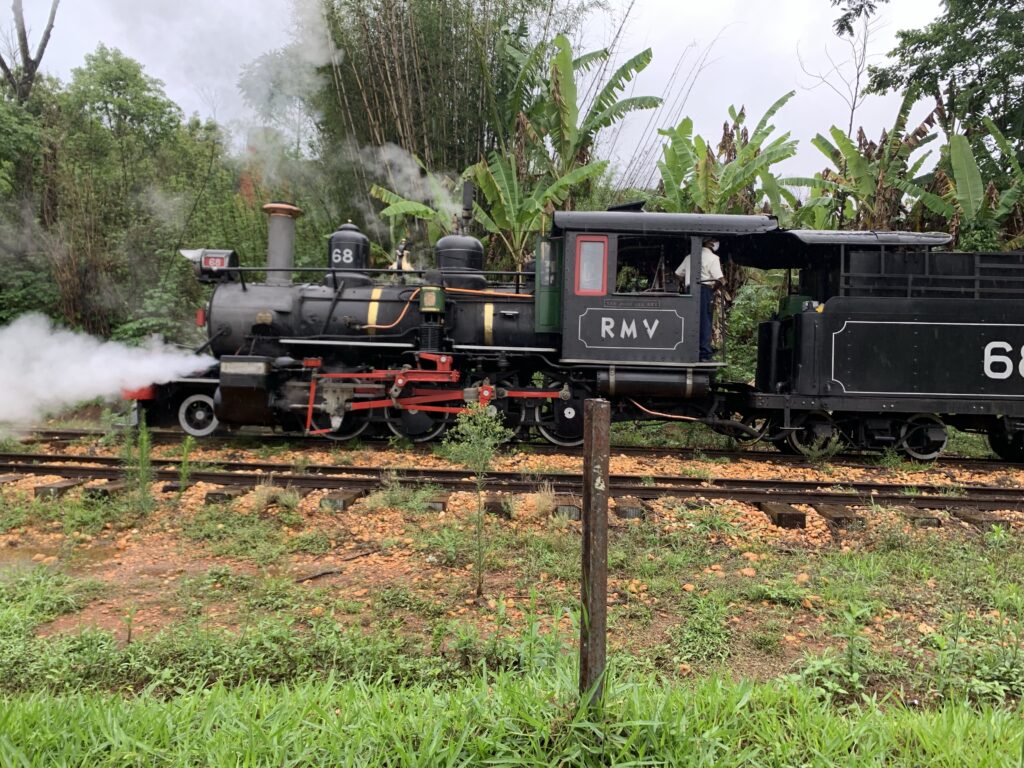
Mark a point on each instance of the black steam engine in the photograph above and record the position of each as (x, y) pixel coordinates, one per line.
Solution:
(881, 341)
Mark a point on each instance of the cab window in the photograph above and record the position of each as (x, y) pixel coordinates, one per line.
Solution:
(591, 265)
(649, 264)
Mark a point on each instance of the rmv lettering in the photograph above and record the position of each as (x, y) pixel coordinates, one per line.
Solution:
(628, 328)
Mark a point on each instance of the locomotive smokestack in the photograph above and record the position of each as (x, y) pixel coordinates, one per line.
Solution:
(281, 241)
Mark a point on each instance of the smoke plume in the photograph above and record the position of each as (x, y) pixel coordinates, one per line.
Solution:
(45, 368)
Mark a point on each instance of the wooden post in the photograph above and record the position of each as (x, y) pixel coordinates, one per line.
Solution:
(594, 585)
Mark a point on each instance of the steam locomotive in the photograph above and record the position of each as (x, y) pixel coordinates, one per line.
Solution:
(881, 341)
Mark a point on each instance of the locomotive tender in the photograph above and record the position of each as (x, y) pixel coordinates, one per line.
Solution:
(881, 341)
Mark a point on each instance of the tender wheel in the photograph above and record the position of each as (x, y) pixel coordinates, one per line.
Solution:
(196, 416)
(1008, 446)
(923, 437)
(815, 433)
(416, 426)
(560, 421)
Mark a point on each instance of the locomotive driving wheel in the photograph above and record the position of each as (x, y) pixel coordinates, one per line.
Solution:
(351, 426)
(922, 437)
(416, 426)
(196, 416)
(511, 411)
(560, 420)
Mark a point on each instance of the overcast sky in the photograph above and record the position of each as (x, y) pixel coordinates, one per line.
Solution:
(198, 46)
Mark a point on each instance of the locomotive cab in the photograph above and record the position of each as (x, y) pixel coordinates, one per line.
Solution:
(622, 304)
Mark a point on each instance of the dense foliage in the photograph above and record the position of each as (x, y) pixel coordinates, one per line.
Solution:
(378, 108)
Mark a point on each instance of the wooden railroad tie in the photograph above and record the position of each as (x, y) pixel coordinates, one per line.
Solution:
(922, 518)
(438, 503)
(984, 520)
(6, 479)
(783, 515)
(840, 516)
(53, 491)
(630, 508)
(499, 506)
(104, 491)
(223, 495)
(339, 501)
(175, 487)
(568, 507)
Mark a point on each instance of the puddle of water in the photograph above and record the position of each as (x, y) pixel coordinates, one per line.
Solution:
(19, 558)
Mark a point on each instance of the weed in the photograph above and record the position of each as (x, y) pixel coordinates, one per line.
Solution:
(401, 598)
(704, 636)
(706, 520)
(695, 473)
(414, 499)
(11, 444)
(767, 639)
(138, 445)
(544, 500)
(998, 537)
(310, 542)
(249, 536)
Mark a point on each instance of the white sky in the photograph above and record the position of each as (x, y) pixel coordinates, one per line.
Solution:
(197, 48)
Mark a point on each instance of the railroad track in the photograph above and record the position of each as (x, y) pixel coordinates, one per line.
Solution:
(756, 453)
(251, 474)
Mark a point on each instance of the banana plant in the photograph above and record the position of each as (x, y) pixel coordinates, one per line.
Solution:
(403, 215)
(515, 206)
(571, 136)
(1011, 201)
(867, 187)
(697, 178)
(957, 196)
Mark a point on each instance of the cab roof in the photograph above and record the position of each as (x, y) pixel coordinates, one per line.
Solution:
(773, 248)
(663, 223)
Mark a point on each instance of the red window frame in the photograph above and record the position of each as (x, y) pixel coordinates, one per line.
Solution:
(580, 240)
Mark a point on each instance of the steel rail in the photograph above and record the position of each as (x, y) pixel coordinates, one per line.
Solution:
(247, 474)
(758, 453)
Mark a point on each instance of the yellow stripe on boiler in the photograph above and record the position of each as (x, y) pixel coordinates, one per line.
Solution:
(373, 310)
(489, 325)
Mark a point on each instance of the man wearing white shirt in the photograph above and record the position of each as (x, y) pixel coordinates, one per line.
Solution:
(710, 278)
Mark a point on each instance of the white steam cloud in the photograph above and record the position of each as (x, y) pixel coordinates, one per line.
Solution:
(46, 368)
(401, 172)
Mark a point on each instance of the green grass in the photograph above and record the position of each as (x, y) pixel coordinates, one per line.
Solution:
(255, 536)
(87, 516)
(503, 719)
(407, 498)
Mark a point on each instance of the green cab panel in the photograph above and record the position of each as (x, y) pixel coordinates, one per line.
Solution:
(548, 296)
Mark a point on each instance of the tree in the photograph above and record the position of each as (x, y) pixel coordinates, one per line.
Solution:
(852, 11)
(970, 59)
(473, 442)
(20, 74)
